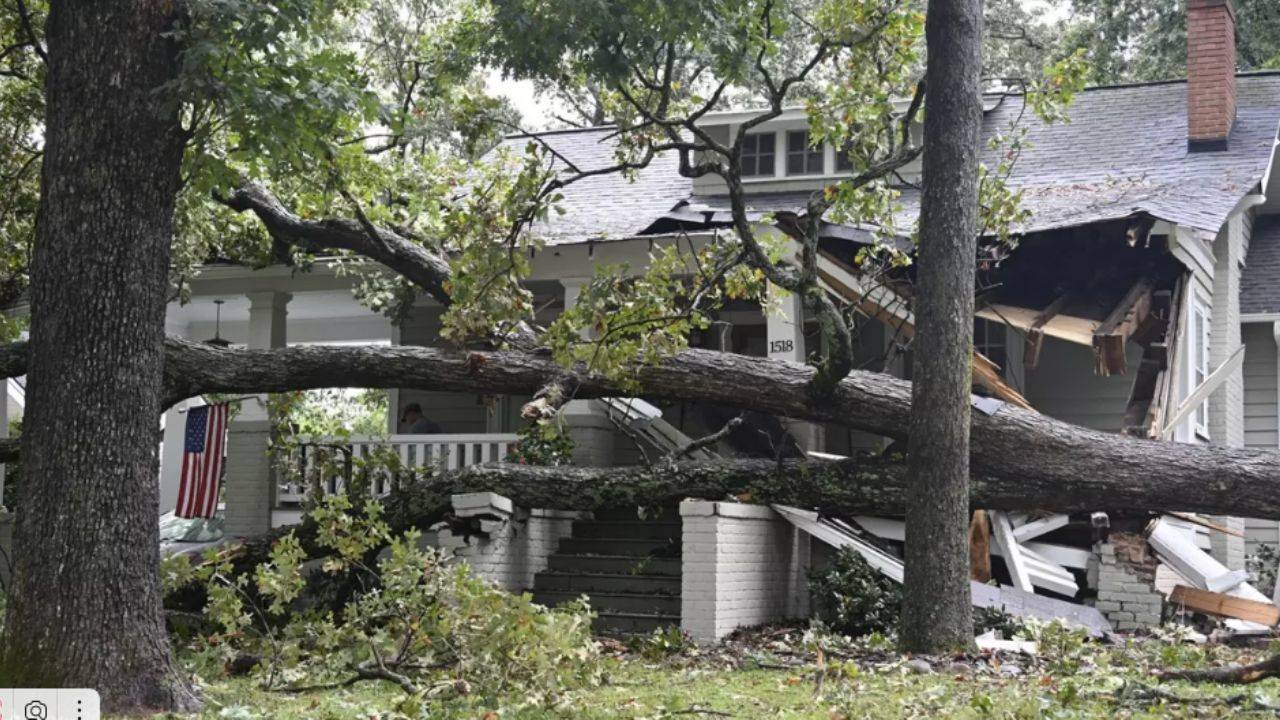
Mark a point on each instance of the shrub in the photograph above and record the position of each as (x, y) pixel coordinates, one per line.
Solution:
(852, 598)
(425, 624)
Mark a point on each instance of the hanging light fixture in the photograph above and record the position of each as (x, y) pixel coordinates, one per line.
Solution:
(217, 340)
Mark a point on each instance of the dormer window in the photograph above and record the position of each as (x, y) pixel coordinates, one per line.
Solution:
(802, 159)
(758, 152)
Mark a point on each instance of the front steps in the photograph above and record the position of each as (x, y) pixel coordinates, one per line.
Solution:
(629, 568)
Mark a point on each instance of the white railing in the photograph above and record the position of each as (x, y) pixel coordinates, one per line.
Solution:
(331, 464)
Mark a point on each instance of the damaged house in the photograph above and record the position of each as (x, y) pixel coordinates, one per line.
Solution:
(1143, 297)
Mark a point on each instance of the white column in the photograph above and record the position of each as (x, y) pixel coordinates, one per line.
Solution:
(572, 289)
(393, 395)
(785, 341)
(593, 433)
(250, 491)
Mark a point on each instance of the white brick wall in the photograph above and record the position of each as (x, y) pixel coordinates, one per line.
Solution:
(743, 565)
(517, 548)
(248, 493)
(1129, 601)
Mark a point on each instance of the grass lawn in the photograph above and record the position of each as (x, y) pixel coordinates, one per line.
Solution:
(773, 675)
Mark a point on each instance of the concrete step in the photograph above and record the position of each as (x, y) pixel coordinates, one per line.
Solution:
(632, 623)
(634, 529)
(606, 582)
(645, 603)
(620, 546)
(614, 564)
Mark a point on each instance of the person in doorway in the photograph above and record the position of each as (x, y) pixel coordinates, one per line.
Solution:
(416, 422)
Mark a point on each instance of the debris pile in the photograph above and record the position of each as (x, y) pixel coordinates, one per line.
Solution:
(1078, 568)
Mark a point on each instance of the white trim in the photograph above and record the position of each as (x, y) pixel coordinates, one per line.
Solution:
(1270, 317)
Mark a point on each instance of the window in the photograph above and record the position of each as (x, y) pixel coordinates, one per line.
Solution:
(991, 339)
(1198, 337)
(758, 150)
(843, 163)
(801, 158)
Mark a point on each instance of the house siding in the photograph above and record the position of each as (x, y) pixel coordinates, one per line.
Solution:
(1064, 386)
(1260, 415)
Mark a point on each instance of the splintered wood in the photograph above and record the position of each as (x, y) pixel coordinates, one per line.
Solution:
(1220, 605)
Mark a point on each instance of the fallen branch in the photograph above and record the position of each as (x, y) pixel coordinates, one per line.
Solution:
(1229, 675)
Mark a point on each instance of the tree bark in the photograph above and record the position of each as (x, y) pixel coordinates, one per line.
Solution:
(1070, 466)
(84, 608)
(936, 612)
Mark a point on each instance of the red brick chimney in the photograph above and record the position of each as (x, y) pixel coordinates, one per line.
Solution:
(1211, 73)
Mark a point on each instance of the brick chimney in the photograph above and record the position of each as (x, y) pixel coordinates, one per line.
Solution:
(1211, 73)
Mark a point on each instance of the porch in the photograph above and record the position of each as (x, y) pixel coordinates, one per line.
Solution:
(318, 466)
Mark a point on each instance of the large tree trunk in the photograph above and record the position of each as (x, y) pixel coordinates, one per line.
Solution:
(936, 613)
(1068, 464)
(84, 610)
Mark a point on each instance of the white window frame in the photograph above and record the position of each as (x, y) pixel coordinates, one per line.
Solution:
(806, 152)
(757, 155)
(1199, 334)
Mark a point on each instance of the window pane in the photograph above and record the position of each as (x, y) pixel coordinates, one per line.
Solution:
(766, 165)
(757, 154)
(795, 164)
(814, 161)
(797, 141)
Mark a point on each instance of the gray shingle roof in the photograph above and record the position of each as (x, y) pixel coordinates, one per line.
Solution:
(606, 206)
(1124, 152)
(1260, 285)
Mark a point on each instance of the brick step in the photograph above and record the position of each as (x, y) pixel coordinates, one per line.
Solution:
(620, 546)
(614, 564)
(634, 529)
(644, 603)
(606, 582)
(632, 623)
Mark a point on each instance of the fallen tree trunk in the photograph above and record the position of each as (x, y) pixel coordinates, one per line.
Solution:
(1030, 459)
(1024, 459)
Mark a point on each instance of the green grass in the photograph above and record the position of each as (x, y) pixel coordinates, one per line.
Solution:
(1073, 681)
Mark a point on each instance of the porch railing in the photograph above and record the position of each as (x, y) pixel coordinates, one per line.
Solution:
(331, 464)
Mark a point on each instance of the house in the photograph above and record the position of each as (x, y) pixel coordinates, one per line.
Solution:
(1150, 258)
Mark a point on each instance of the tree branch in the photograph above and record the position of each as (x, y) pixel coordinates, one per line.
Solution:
(1075, 467)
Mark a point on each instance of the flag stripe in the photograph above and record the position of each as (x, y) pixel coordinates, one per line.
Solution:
(202, 461)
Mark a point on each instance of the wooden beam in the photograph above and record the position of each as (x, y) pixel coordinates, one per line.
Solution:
(1220, 605)
(1002, 532)
(1125, 318)
(1228, 368)
(1035, 333)
(1036, 528)
(883, 304)
(1070, 328)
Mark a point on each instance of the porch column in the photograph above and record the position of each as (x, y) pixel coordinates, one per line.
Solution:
(785, 341)
(250, 481)
(592, 432)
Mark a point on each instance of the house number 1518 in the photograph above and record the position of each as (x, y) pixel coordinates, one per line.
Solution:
(781, 346)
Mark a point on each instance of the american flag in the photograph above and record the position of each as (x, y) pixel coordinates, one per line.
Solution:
(202, 461)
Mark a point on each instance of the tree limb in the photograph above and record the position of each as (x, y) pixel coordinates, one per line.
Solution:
(1073, 467)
